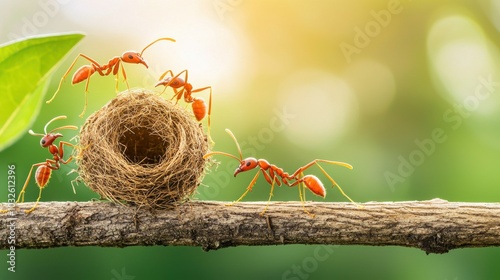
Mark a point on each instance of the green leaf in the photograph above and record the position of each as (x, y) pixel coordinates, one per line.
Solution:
(25, 70)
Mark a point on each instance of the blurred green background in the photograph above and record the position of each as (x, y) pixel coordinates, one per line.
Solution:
(405, 91)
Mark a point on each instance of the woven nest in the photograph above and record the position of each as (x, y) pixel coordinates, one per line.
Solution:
(142, 149)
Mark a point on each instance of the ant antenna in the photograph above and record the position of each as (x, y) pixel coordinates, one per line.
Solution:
(168, 39)
(235, 141)
(35, 134)
(207, 155)
(74, 127)
(49, 122)
(59, 128)
(55, 129)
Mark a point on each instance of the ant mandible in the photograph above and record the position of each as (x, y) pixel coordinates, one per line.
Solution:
(44, 170)
(182, 88)
(113, 66)
(273, 174)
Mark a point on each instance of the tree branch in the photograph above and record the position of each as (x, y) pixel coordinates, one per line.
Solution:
(435, 226)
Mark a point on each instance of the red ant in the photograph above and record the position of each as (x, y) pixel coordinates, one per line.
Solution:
(113, 66)
(273, 174)
(199, 106)
(44, 170)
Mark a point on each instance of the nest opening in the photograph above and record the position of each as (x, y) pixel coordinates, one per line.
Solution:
(140, 146)
(142, 149)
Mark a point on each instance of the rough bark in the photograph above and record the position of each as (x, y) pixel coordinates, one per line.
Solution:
(435, 226)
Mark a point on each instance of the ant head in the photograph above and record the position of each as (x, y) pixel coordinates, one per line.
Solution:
(169, 81)
(246, 164)
(133, 57)
(48, 140)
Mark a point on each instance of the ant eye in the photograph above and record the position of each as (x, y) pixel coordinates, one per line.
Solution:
(248, 163)
(130, 56)
(42, 142)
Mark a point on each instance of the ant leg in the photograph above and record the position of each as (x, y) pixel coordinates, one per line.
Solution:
(333, 181)
(84, 106)
(70, 159)
(171, 76)
(67, 72)
(61, 152)
(177, 94)
(270, 194)
(165, 73)
(185, 71)
(302, 193)
(249, 188)
(116, 73)
(85, 93)
(209, 109)
(124, 79)
(303, 168)
(36, 203)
